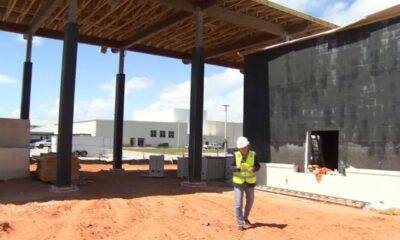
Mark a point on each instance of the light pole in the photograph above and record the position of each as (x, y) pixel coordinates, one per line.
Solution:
(226, 116)
(177, 144)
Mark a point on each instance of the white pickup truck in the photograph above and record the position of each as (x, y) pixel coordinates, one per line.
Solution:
(42, 143)
(212, 146)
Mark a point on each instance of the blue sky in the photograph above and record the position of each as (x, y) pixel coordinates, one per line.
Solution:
(154, 85)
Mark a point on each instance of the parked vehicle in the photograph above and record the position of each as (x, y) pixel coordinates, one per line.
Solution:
(43, 143)
(212, 146)
(88, 146)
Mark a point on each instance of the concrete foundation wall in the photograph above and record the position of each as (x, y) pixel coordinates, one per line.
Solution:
(376, 187)
(14, 148)
(14, 163)
(14, 133)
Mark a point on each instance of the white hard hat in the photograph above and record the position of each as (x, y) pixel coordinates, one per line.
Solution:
(242, 142)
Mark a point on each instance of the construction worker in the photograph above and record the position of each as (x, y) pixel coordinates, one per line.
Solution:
(244, 165)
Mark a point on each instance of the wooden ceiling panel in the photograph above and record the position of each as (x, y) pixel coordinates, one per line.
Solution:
(231, 28)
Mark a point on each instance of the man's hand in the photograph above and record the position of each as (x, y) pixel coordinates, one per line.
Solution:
(251, 170)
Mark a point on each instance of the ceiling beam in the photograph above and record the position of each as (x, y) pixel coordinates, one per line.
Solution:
(190, 5)
(9, 9)
(155, 29)
(187, 6)
(244, 43)
(27, 8)
(300, 27)
(95, 10)
(238, 45)
(114, 8)
(179, 4)
(204, 4)
(230, 16)
(180, 55)
(39, 18)
(246, 21)
(20, 28)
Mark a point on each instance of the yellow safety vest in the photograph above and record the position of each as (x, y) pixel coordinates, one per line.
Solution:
(244, 175)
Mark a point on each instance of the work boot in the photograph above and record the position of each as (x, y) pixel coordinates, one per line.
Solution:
(240, 228)
(247, 221)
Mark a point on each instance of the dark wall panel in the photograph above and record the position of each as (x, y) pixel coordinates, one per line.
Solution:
(347, 81)
(256, 106)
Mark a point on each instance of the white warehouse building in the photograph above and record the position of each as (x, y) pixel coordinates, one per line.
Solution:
(137, 133)
(171, 130)
(145, 133)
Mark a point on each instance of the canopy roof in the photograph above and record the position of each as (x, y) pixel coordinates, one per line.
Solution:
(231, 29)
(386, 14)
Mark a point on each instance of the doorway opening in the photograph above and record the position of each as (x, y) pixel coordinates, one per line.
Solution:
(140, 142)
(323, 149)
(133, 142)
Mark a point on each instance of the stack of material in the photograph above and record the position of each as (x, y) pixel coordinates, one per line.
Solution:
(47, 168)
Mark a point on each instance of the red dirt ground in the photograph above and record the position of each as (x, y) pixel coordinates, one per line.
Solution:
(128, 206)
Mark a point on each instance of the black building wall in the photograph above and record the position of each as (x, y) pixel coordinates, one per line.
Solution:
(347, 81)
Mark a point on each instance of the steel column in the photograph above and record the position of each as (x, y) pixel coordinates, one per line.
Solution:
(67, 93)
(27, 80)
(196, 103)
(119, 113)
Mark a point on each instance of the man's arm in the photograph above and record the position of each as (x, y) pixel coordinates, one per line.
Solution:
(232, 165)
(256, 166)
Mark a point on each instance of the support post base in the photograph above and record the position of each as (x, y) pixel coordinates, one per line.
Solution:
(117, 170)
(55, 189)
(193, 184)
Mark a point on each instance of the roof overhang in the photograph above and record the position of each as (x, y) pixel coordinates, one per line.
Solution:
(232, 28)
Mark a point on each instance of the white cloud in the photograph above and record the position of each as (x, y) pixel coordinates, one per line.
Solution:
(6, 79)
(132, 85)
(234, 98)
(83, 110)
(36, 41)
(342, 13)
(16, 113)
(175, 96)
(302, 5)
(94, 109)
(110, 86)
(98, 108)
(219, 89)
(137, 84)
(154, 114)
(103, 108)
(7, 114)
(51, 110)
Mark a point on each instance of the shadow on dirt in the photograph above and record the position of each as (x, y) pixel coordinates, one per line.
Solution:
(103, 184)
(270, 225)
